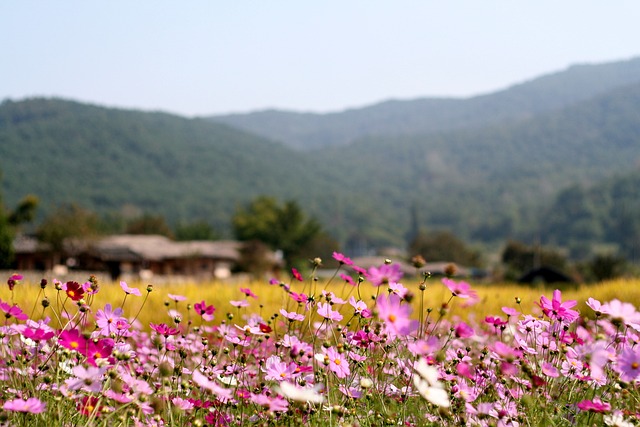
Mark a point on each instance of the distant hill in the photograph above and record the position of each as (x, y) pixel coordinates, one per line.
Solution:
(309, 131)
(107, 159)
(484, 178)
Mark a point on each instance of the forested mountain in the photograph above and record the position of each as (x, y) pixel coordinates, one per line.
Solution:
(485, 179)
(419, 116)
(593, 217)
(107, 159)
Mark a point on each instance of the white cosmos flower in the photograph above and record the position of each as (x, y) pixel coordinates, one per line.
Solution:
(427, 384)
(293, 392)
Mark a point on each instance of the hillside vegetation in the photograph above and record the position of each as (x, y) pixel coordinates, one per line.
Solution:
(515, 164)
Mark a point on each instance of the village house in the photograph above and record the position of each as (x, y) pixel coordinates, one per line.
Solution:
(141, 256)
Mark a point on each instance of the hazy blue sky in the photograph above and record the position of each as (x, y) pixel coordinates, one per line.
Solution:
(210, 57)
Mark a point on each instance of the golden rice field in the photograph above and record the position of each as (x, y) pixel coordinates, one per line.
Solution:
(271, 298)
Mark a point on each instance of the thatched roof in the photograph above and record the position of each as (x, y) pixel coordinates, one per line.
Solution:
(157, 248)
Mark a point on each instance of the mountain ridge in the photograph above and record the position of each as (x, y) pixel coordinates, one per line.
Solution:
(316, 130)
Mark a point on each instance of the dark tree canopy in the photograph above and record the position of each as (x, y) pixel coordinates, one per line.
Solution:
(282, 227)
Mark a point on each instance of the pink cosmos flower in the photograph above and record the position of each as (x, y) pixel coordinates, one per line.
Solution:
(291, 315)
(628, 364)
(360, 307)
(463, 330)
(324, 310)
(549, 370)
(556, 309)
(298, 297)
(204, 310)
(248, 293)
(87, 379)
(277, 370)
(107, 318)
(273, 403)
(201, 380)
(395, 315)
(182, 404)
(177, 298)
(384, 274)
(13, 280)
(38, 334)
(351, 392)
(622, 312)
(459, 289)
(332, 298)
(31, 405)
(595, 305)
(495, 321)
(510, 311)
(129, 291)
(343, 260)
(12, 311)
(338, 364)
(240, 303)
(398, 289)
(347, 278)
(163, 329)
(361, 271)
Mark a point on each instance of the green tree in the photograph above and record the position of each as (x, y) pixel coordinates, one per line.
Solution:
(197, 230)
(9, 225)
(282, 227)
(150, 224)
(68, 226)
(518, 258)
(444, 246)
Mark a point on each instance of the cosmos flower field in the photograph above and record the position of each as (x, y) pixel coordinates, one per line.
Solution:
(323, 358)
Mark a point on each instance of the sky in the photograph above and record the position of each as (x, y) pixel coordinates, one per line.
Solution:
(199, 58)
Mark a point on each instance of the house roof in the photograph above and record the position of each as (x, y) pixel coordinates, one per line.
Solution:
(24, 244)
(157, 248)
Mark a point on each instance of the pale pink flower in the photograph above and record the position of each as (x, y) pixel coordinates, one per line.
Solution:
(129, 291)
(31, 405)
(324, 310)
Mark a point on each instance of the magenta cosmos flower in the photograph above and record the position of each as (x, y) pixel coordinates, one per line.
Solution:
(204, 310)
(595, 405)
(556, 309)
(296, 275)
(12, 311)
(163, 329)
(343, 260)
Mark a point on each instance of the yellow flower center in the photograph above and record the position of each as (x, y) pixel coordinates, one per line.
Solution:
(635, 365)
(392, 318)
